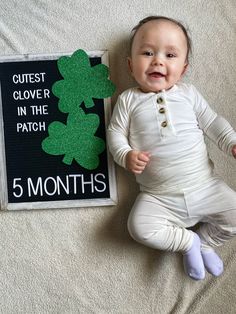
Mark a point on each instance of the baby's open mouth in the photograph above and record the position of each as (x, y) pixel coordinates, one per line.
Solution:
(156, 74)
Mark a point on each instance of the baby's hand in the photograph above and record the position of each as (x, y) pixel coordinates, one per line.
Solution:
(136, 161)
(234, 151)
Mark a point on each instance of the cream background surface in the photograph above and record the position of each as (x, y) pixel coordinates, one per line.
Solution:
(83, 260)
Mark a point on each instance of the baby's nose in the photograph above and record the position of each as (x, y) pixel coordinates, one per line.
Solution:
(158, 59)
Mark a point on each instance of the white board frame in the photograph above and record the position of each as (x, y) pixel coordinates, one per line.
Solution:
(62, 204)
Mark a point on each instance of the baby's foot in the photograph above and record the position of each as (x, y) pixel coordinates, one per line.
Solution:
(193, 262)
(212, 262)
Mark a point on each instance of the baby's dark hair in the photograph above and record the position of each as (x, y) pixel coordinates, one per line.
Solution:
(157, 18)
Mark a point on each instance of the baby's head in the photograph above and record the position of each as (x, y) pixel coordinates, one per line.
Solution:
(159, 53)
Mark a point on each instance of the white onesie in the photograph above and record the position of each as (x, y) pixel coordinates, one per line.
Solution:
(170, 125)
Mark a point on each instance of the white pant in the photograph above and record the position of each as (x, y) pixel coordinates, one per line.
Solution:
(160, 221)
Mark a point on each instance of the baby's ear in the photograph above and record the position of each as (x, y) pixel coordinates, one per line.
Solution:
(185, 69)
(130, 66)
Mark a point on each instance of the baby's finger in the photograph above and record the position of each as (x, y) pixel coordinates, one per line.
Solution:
(141, 163)
(138, 169)
(144, 156)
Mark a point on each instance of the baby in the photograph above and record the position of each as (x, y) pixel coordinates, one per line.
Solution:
(157, 132)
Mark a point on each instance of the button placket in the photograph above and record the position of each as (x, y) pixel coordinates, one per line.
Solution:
(166, 128)
(162, 111)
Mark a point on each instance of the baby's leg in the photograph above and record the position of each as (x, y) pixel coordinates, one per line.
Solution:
(219, 228)
(155, 223)
(213, 263)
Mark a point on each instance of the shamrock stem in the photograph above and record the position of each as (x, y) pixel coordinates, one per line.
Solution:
(67, 160)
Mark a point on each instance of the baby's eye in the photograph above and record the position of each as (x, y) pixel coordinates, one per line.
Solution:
(148, 53)
(171, 55)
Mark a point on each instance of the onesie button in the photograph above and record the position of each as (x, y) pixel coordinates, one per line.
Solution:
(162, 110)
(164, 124)
(160, 100)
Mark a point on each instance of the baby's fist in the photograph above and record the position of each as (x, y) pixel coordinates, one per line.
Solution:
(234, 151)
(136, 161)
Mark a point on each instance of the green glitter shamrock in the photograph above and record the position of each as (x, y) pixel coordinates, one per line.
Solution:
(81, 82)
(76, 140)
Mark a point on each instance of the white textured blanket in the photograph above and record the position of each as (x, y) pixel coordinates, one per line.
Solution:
(83, 260)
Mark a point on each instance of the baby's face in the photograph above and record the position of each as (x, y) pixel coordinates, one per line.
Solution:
(158, 55)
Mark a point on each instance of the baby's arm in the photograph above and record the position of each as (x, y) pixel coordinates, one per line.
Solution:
(136, 161)
(222, 134)
(215, 127)
(118, 140)
(118, 133)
